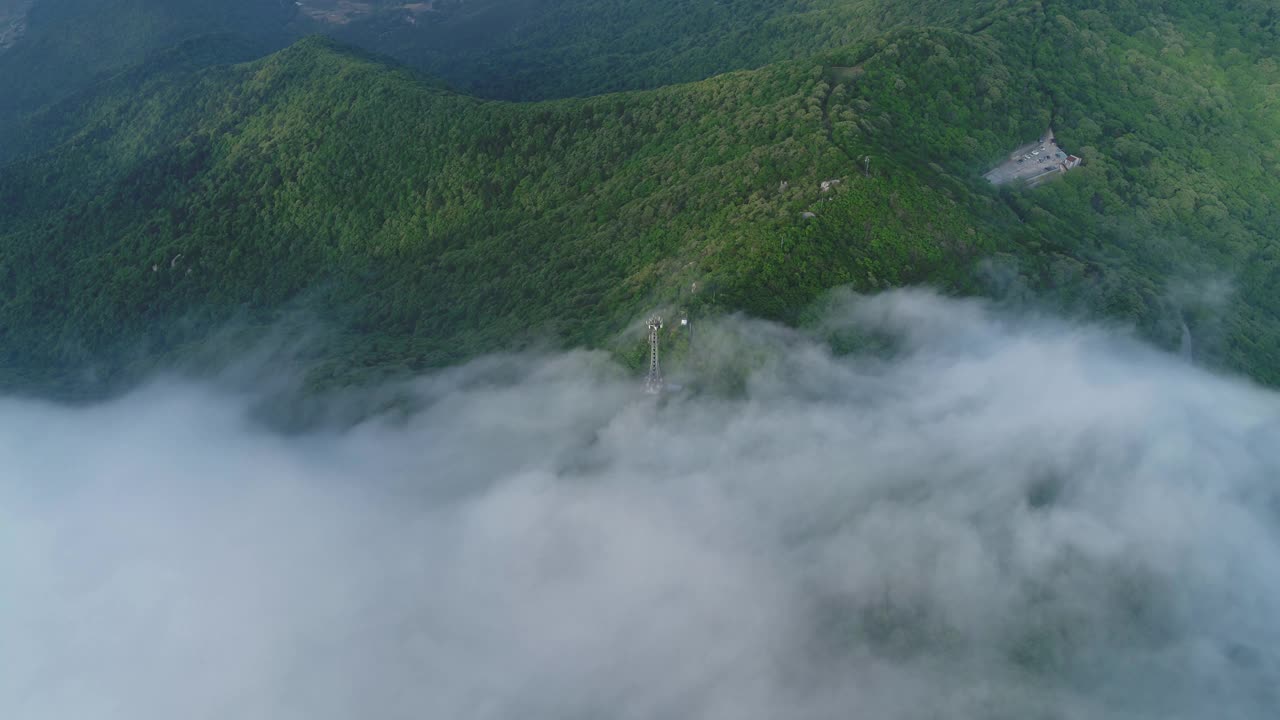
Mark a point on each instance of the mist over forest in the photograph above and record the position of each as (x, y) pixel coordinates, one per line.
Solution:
(327, 385)
(993, 514)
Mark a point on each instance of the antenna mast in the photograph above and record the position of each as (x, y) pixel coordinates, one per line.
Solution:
(653, 384)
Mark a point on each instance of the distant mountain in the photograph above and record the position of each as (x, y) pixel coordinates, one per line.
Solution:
(423, 226)
(50, 49)
(538, 49)
(13, 21)
(511, 49)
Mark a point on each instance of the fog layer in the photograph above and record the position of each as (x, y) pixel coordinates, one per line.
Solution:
(1007, 518)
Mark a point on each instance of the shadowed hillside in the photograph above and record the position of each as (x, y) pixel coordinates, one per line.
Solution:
(67, 45)
(537, 49)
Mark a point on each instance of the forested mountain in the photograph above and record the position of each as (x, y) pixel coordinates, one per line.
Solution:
(422, 225)
(510, 49)
(532, 50)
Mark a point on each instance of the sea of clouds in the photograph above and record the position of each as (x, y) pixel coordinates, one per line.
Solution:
(1004, 517)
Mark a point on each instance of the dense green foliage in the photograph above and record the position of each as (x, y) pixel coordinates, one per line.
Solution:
(424, 226)
(429, 224)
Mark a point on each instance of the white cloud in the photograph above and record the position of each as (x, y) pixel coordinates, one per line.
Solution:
(1009, 518)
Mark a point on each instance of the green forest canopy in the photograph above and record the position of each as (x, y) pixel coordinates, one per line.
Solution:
(424, 226)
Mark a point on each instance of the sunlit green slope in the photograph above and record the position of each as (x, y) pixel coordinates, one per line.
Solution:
(422, 226)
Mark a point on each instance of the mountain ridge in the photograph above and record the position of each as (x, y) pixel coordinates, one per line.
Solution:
(428, 226)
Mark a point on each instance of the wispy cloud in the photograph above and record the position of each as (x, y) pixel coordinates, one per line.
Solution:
(1007, 518)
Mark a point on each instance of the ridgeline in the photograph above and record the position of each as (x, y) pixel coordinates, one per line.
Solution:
(421, 226)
